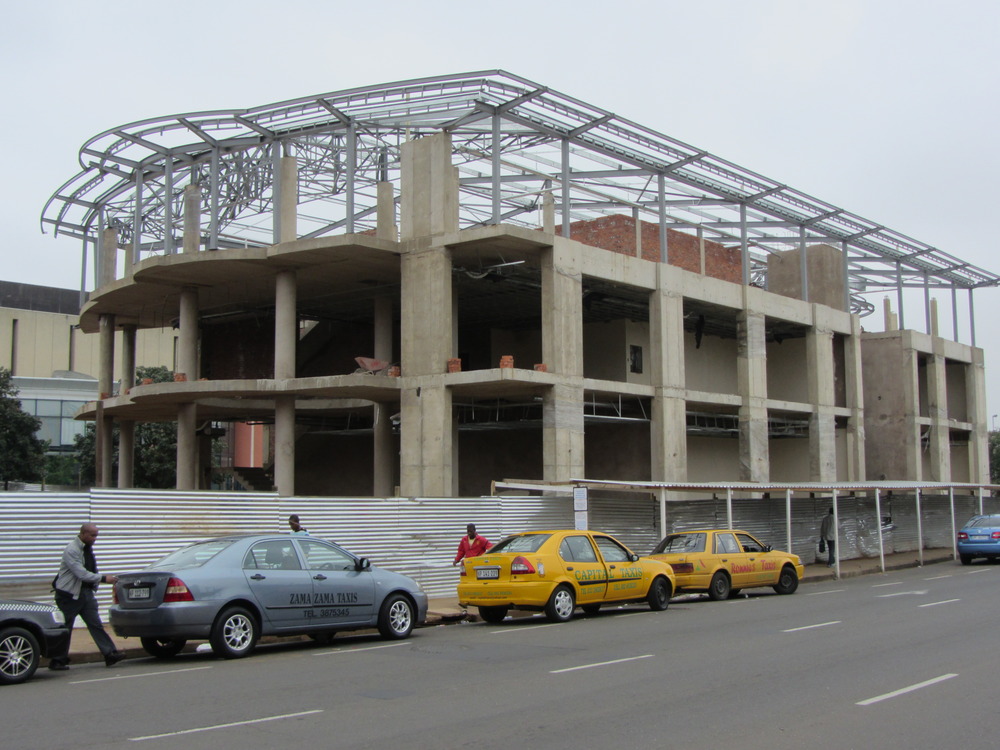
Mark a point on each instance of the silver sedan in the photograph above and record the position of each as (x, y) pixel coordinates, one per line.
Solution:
(233, 589)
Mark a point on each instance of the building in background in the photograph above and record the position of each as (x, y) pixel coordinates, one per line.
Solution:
(424, 286)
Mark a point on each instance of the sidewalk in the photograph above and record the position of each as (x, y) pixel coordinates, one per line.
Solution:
(445, 610)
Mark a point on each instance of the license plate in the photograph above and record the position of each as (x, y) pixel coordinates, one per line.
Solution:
(980, 538)
(482, 573)
(139, 593)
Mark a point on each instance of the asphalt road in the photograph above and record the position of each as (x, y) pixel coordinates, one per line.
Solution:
(904, 660)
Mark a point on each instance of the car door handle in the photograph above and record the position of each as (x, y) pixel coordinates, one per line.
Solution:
(612, 567)
(257, 577)
(319, 577)
(569, 567)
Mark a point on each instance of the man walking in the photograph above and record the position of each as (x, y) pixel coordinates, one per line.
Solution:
(75, 588)
(828, 534)
(472, 545)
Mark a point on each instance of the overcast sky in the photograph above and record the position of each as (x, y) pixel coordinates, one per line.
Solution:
(886, 108)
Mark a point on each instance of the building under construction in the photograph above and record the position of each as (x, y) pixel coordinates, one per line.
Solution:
(419, 287)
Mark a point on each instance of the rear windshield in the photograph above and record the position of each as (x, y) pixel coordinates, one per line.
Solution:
(988, 521)
(194, 556)
(523, 543)
(681, 543)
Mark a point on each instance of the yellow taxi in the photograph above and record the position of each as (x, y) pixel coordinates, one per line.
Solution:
(724, 561)
(556, 571)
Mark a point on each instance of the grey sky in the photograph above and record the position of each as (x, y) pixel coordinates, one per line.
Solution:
(885, 108)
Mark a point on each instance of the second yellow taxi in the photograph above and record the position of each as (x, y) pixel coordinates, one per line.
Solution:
(556, 571)
(721, 562)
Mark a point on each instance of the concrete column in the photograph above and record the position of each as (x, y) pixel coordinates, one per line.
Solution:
(910, 383)
(751, 369)
(822, 425)
(384, 459)
(385, 227)
(187, 337)
(109, 256)
(937, 410)
(192, 219)
(426, 442)
(427, 314)
(429, 188)
(563, 433)
(105, 384)
(284, 445)
(126, 428)
(975, 396)
(286, 328)
(288, 191)
(854, 389)
(548, 213)
(668, 423)
(187, 447)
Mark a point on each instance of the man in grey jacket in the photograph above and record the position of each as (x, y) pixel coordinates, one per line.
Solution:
(75, 588)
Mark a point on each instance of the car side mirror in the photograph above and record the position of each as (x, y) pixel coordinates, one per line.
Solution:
(362, 563)
(768, 547)
(633, 557)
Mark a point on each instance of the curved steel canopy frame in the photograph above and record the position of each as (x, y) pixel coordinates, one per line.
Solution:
(513, 141)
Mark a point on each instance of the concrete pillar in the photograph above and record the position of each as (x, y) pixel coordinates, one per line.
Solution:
(426, 442)
(429, 188)
(563, 433)
(192, 219)
(204, 474)
(109, 256)
(854, 391)
(288, 191)
(822, 425)
(284, 445)
(126, 428)
(384, 472)
(187, 336)
(286, 328)
(385, 227)
(751, 369)
(548, 213)
(937, 410)
(187, 447)
(910, 383)
(975, 396)
(668, 423)
(105, 384)
(427, 313)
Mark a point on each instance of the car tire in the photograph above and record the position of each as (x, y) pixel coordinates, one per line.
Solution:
(493, 614)
(658, 597)
(234, 634)
(788, 581)
(590, 609)
(395, 619)
(966, 559)
(162, 648)
(718, 589)
(561, 604)
(19, 655)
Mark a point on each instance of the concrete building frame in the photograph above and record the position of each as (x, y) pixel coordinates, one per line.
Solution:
(428, 226)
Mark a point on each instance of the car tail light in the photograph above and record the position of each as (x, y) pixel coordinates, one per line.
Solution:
(682, 567)
(995, 535)
(520, 566)
(177, 592)
(962, 535)
(461, 571)
(114, 594)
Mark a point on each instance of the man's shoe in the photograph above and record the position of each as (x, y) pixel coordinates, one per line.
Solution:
(113, 658)
(57, 666)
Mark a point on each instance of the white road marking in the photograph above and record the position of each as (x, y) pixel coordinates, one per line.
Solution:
(600, 664)
(938, 578)
(133, 676)
(903, 691)
(522, 628)
(356, 650)
(973, 572)
(810, 627)
(902, 593)
(224, 726)
(946, 601)
(820, 593)
(893, 583)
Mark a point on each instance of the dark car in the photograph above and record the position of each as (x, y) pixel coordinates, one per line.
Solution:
(233, 589)
(980, 537)
(28, 631)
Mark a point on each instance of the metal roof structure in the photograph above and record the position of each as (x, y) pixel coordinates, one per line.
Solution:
(514, 141)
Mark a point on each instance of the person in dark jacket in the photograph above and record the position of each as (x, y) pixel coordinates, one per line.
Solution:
(75, 590)
(828, 534)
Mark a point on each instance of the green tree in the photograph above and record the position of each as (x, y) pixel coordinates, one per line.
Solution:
(22, 455)
(995, 457)
(155, 465)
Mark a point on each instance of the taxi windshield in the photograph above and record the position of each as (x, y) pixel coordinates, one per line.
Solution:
(681, 543)
(522, 543)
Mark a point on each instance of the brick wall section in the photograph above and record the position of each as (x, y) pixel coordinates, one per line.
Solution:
(617, 234)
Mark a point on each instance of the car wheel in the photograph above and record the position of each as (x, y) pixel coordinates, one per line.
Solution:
(493, 614)
(325, 638)
(234, 634)
(718, 589)
(658, 597)
(966, 559)
(591, 609)
(395, 619)
(18, 655)
(162, 648)
(788, 581)
(561, 604)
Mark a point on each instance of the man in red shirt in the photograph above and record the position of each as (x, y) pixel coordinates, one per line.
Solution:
(472, 545)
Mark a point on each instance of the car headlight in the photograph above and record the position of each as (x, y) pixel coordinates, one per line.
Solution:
(58, 617)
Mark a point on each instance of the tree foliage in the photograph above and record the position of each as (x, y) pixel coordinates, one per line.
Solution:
(995, 457)
(22, 454)
(155, 465)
